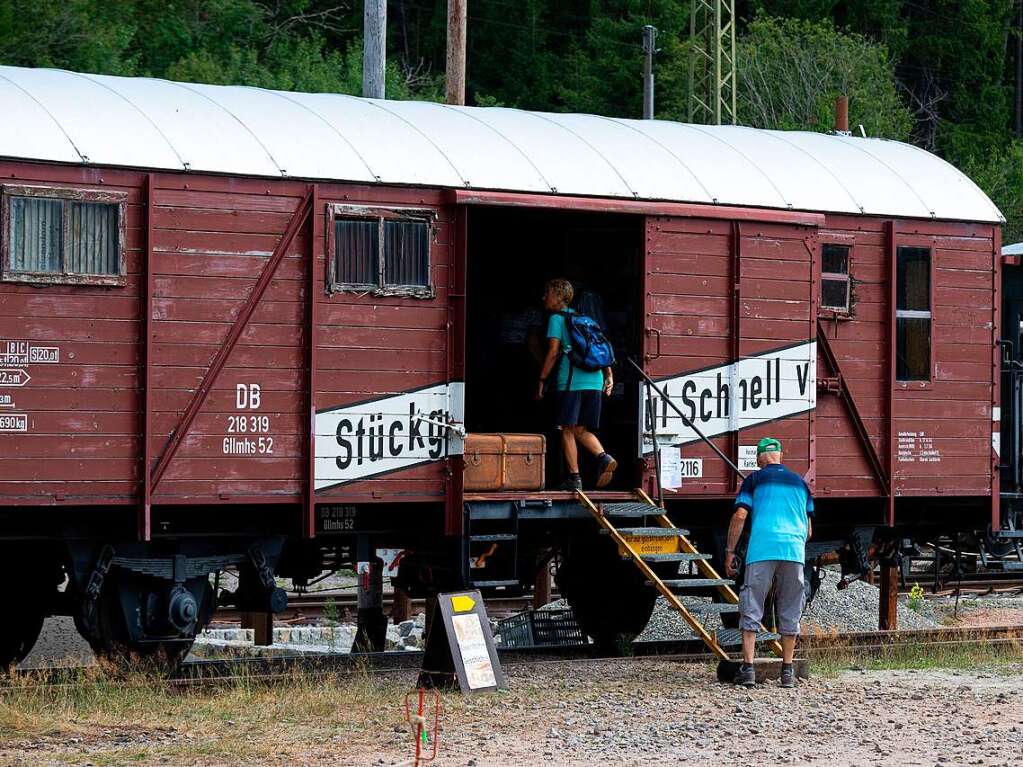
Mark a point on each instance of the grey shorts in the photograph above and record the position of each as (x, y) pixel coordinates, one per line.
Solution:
(789, 595)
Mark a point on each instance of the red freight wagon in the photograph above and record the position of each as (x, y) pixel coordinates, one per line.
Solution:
(248, 329)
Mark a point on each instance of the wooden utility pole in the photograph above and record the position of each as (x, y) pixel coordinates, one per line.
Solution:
(374, 51)
(457, 16)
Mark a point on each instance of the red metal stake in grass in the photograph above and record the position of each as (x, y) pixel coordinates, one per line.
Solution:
(422, 733)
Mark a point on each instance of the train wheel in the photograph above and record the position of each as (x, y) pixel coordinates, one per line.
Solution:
(150, 639)
(608, 595)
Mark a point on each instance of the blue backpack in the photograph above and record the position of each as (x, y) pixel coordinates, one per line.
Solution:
(590, 350)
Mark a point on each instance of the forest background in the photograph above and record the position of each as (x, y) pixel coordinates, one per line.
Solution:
(939, 73)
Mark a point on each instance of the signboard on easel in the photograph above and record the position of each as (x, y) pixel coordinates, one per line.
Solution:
(461, 646)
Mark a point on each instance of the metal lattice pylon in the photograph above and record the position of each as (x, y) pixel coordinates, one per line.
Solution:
(712, 78)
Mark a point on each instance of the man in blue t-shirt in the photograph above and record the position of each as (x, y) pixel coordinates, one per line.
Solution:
(782, 509)
(579, 391)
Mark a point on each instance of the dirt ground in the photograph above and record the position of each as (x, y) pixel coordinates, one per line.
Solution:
(994, 616)
(572, 714)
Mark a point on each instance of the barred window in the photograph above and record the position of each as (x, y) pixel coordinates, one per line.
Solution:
(357, 248)
(407, 253)
(835, 277)
(382, 252)
(63, 236)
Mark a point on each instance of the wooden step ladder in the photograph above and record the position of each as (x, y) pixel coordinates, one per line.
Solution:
(631, 543)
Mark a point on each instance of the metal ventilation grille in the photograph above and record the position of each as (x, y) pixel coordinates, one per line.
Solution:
(407, 253)
(92, 238)
(356, 246)
(36, 235)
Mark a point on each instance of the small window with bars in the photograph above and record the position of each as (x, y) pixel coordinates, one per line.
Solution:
(63, 236)
(913, 314)
(835, 285)
(381, 252)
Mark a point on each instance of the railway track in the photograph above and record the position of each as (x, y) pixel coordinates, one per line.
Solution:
(315, 605)
(266, 669)
(682, 649)
(974, 589)
(302, 607)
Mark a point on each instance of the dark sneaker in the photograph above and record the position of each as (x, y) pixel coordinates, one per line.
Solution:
(571, 482)
(788, 675)
(746, 676)
(606, 466)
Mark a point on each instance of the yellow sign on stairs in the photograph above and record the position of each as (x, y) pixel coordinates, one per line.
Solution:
(642, 545)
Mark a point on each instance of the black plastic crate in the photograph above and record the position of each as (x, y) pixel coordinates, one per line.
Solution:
(537, 628)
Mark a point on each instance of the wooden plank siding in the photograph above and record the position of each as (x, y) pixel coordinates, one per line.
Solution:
(210, 239)
(689, 294)
(83, 439)
(952, 412)
(716, 291)
(367, 346)
(695, 321)
(370, 347)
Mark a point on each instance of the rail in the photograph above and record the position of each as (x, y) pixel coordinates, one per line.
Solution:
(267, 669)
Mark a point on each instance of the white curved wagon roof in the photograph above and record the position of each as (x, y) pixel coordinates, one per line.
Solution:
(60, 116)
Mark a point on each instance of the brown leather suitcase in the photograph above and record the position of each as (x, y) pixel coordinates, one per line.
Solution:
(504, 462)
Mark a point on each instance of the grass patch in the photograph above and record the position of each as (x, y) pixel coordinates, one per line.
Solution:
(1002, 656)
(138, 718)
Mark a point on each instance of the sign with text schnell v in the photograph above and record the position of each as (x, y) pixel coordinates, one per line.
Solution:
(719, 400)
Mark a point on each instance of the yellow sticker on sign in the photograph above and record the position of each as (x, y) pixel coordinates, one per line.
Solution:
(462, 603)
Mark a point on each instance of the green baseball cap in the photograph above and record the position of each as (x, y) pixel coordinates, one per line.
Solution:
(768, 445)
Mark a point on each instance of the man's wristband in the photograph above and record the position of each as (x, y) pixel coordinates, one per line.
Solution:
(729, 551)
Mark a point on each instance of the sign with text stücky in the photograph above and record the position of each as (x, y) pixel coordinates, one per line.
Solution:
(727, 398)
(373, 437)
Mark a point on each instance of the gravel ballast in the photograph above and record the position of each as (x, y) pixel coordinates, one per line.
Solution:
(853, 609)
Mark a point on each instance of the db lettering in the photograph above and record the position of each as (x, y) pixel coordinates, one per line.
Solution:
(247, 396)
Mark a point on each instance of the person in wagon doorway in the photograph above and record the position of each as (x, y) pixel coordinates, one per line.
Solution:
(579, 391)
(782, 512)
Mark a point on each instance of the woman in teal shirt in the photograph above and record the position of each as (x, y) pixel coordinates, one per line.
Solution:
(578, 392)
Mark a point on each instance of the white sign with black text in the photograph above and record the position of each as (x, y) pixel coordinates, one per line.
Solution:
(675, 468)
(748, 458)
(671, 467)
(719, 400)
(389, 434)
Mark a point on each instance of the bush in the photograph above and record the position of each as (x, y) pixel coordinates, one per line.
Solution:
(1001, 176)
(791, 71)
